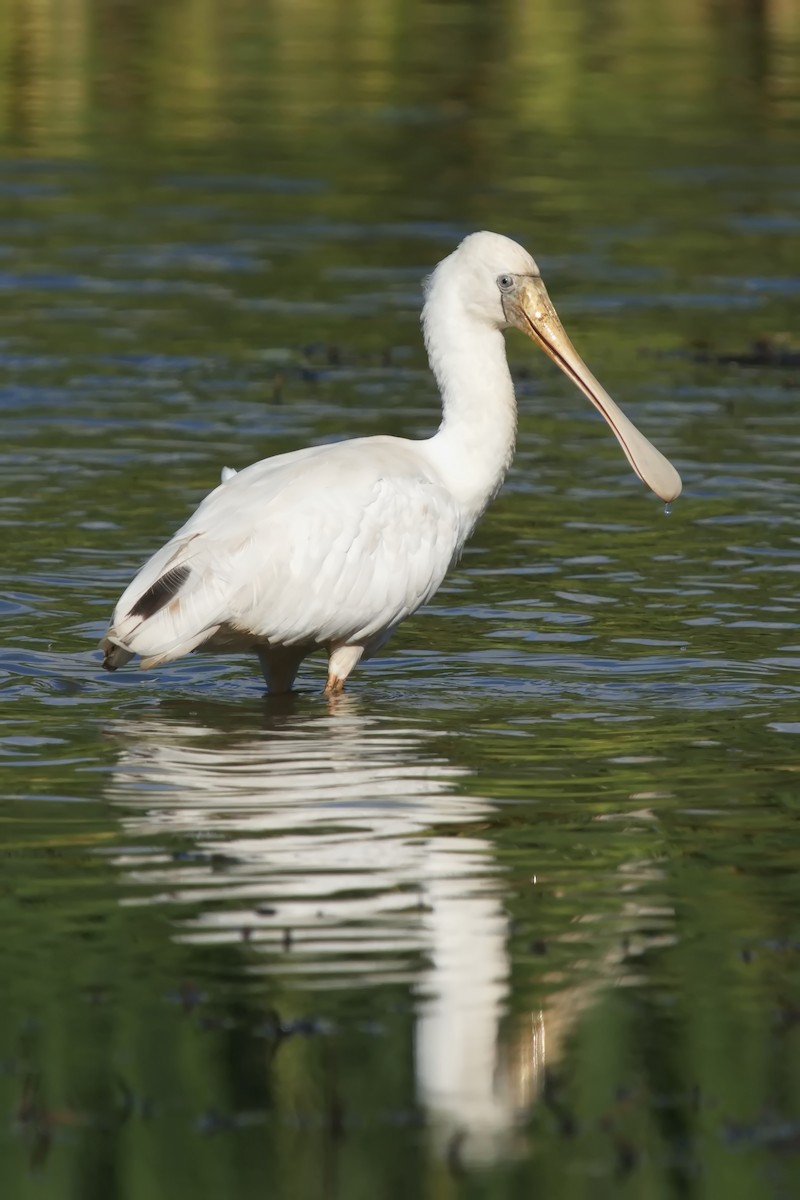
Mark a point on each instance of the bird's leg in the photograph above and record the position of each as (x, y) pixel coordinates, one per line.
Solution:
(340, 663)
(280, 665)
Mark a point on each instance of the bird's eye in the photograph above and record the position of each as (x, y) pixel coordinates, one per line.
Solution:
(505, 282)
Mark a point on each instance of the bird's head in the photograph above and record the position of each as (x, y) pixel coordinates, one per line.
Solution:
(471, 276)
(495, 281)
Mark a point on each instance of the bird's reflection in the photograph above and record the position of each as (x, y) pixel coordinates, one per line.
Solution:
(346, 847)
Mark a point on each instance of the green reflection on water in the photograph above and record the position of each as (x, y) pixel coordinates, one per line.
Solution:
(529, 899)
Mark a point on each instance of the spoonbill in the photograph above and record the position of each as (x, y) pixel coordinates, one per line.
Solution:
(333, 546)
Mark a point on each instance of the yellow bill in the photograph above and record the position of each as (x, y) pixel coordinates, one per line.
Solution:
(529, 308)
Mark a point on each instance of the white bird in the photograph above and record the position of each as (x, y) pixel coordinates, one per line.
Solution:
(333, 546)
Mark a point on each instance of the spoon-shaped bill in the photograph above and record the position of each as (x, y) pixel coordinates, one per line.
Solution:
(530, 309)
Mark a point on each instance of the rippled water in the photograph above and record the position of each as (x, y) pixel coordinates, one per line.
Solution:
(517, 915)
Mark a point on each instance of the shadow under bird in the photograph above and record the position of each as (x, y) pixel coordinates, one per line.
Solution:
(333, 546)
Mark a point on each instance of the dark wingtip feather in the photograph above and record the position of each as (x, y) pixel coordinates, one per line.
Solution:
(160, 593)
(114, 656)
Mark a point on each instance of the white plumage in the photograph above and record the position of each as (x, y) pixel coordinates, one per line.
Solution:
(333, 546)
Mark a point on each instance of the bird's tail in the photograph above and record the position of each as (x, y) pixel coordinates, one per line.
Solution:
(172, 607)
(114, 656)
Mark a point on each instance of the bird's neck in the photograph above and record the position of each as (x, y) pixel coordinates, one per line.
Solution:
(475, 442)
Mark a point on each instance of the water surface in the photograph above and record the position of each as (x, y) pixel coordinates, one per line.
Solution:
(519, 914)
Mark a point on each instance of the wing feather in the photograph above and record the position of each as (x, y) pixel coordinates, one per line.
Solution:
(161, 592)
(335, 543)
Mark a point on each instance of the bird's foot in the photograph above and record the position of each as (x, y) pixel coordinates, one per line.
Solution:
(334, 686)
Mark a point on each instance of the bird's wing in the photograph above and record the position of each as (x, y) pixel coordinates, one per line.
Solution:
(332, 544)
